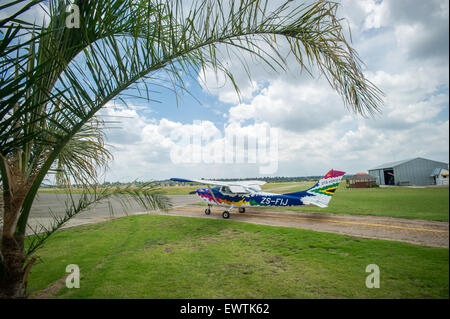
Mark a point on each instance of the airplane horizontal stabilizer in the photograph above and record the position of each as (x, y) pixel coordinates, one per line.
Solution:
(315, 204)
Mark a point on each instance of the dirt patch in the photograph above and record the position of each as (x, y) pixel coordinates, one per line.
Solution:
(51, 290)
(100, 265)
(275, 260)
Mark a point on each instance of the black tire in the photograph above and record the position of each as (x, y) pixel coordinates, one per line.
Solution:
(241, 210)
(207, 211)
(226, 214)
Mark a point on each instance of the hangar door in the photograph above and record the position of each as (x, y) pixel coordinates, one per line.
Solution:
(389, 176)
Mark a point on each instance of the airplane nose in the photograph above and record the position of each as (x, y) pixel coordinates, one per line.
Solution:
(193, 192)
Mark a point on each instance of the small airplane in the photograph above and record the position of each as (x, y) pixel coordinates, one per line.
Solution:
(244, 194)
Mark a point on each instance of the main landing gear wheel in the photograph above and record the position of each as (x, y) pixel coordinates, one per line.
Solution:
(207, 211)
(241, 210)
(226, 214)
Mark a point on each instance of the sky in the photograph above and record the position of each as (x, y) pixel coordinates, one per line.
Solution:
(405, 49)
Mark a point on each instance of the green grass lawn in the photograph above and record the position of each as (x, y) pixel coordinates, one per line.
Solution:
(150, 256)
(420, 203)
(179, 190)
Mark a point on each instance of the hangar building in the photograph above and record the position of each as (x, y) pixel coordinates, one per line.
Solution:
(416, 171)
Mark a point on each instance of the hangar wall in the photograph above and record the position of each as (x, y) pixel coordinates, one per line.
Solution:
(410, 172)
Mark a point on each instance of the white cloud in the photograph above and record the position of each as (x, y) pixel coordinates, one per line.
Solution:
(292, 106)
(221, 86)
(376, 13)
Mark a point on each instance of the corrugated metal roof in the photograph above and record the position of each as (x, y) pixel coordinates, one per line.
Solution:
(392, 164)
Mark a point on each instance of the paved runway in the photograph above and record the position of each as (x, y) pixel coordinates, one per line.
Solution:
(47, 204)
(430, 233)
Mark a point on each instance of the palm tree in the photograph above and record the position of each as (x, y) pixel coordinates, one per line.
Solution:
(54, 80)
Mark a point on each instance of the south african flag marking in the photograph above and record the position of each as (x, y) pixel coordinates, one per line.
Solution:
(327, 190)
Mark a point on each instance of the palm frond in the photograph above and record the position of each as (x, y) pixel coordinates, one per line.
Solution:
(83, 156)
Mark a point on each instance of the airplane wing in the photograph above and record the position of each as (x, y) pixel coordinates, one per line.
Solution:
(200, 181)
(220, 183)
(235, 186)
(251, 182)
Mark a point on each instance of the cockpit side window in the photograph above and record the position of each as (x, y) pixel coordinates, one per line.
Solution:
(226, 190)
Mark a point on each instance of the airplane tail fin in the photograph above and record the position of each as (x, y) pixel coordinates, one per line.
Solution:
(322, 192)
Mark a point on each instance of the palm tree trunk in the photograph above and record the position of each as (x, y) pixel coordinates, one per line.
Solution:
(12, 243)
(12, 250)
(12, 282)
